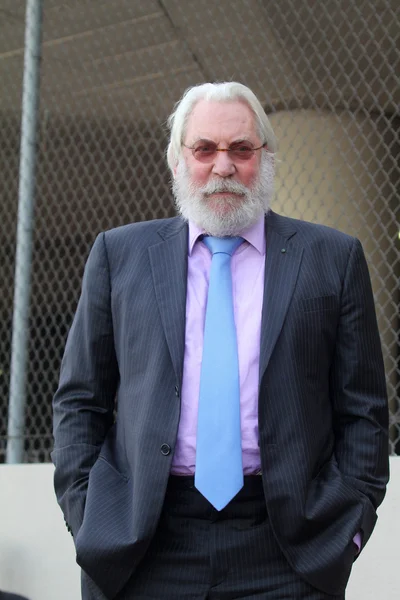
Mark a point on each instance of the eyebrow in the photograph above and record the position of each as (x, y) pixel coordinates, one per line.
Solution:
(237, 141)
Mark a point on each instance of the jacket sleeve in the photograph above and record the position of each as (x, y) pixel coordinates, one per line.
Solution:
(358, 390)
(83, 405)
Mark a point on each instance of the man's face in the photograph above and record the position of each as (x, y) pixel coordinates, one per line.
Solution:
(223, 123)
(223, 194)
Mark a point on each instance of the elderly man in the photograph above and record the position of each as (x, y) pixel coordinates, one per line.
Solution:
(249, 450)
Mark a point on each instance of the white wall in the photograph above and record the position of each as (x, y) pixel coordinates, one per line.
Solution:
(37, 555)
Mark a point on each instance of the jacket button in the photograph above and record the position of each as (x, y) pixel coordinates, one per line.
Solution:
(165, 449)
(176, 391)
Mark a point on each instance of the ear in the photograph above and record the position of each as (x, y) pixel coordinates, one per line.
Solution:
(175, 168)
(272, 158)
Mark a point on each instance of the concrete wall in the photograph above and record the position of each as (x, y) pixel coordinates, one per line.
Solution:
(37, 555)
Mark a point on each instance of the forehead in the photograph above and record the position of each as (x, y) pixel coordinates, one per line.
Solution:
(221, 121)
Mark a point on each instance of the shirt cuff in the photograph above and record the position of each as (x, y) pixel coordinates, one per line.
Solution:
(357, 541)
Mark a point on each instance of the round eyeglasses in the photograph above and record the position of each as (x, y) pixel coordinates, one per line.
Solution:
(205, 151)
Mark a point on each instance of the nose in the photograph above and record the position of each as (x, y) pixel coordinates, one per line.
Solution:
(223, 165)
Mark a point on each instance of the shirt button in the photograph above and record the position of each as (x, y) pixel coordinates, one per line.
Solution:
(165, 449)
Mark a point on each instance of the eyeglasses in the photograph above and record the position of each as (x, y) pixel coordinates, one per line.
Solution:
(205, 151)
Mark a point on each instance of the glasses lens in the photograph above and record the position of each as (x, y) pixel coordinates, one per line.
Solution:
(241, 151)
(205, 151)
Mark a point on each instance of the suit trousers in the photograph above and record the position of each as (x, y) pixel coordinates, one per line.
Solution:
(200, 553)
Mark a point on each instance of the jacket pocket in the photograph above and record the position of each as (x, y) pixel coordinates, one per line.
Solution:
(320, 303)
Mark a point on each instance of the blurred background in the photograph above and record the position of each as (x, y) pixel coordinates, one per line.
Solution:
(111, 71)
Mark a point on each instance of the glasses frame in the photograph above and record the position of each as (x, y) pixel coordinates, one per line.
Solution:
(194, 148)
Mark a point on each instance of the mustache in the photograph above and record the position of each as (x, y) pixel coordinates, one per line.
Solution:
(217, 187)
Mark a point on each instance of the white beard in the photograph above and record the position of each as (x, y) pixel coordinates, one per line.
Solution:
(192, 202)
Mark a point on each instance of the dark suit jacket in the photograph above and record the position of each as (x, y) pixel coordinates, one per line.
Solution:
(323, 413)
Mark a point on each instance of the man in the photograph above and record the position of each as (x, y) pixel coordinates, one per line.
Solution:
(249, 450)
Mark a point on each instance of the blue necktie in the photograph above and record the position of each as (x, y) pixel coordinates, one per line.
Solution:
(219, 470)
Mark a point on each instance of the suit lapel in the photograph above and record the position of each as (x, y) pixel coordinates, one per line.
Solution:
(168, 260)
(283, 258)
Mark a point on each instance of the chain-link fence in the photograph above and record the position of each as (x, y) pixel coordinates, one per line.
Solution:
(327, 74)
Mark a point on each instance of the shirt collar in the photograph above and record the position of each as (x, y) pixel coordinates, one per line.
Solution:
(254, 235)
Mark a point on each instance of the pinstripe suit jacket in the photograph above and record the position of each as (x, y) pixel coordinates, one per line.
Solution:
(322, 397)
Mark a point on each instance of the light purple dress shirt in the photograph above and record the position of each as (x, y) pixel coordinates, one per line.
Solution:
(248, 266)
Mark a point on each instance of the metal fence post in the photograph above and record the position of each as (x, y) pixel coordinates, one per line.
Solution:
(30, 104)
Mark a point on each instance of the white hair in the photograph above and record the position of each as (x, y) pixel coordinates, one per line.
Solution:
(215, 92)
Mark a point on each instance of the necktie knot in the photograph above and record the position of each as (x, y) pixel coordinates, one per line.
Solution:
(225, 245)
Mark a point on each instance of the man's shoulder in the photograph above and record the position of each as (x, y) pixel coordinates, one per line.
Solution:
(142, 232)
(140, 227)
(310, 233)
